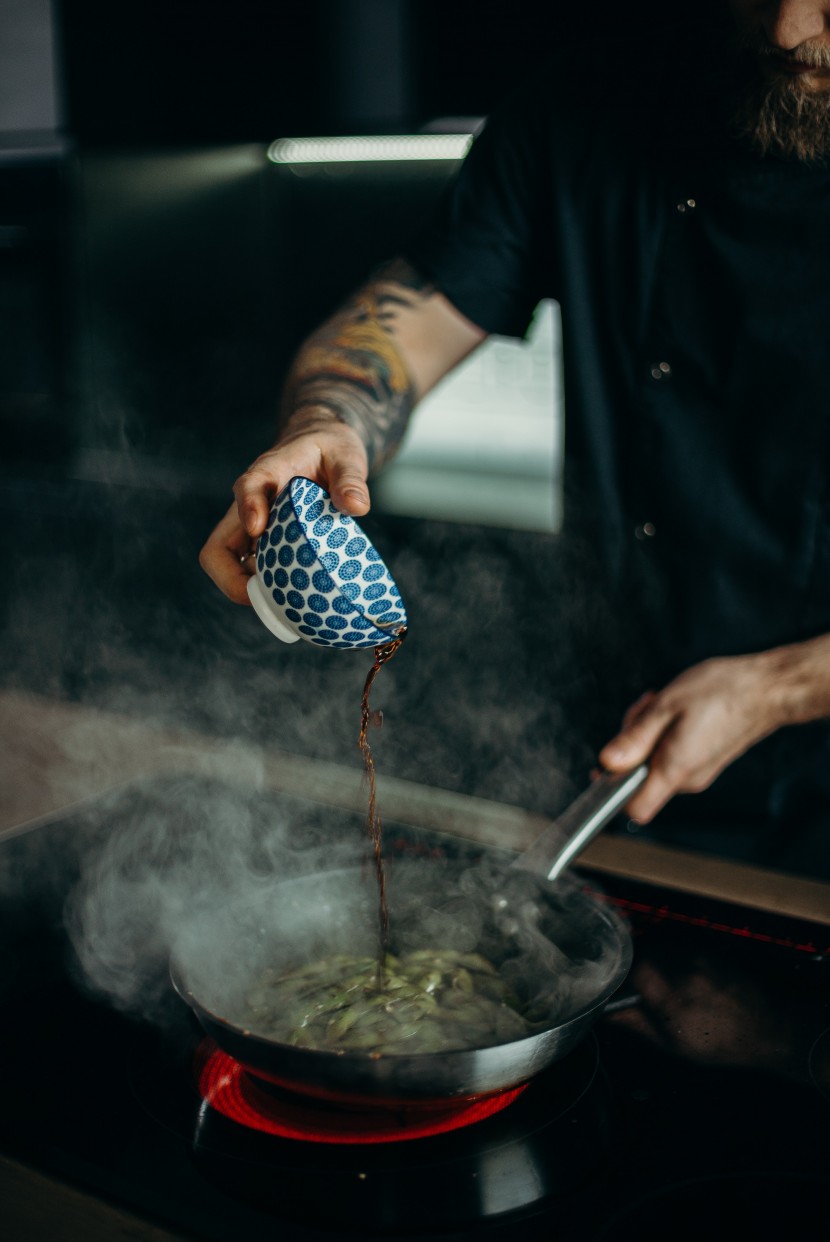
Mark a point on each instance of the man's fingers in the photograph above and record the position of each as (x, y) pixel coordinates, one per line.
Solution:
(692, 729)
(332, 456)
(652, 796)
(221, 557)
(636, 710)
(675, 767)
(348, 489)
(646, 726)
(327, 451)
(254, 491)
(235, 586)
(636, 741)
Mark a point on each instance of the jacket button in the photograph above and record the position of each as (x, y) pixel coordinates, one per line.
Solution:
(661, 371)
(646, 530)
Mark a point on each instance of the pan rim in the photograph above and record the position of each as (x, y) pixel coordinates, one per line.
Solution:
(359, 1057)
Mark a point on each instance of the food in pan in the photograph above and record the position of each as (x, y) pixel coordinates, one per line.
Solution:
(423, 1001)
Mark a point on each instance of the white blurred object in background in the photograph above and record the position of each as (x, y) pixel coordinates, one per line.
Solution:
(486, 445)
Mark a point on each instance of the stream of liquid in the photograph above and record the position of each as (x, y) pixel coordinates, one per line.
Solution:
(383, 654)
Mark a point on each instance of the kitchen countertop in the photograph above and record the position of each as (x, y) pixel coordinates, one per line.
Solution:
(57, 754)
(35, 1206)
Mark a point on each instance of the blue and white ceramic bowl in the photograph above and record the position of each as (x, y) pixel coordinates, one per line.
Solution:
(319, 578)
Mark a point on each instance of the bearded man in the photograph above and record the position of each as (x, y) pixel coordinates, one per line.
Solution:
(668, 183)
(785, 108)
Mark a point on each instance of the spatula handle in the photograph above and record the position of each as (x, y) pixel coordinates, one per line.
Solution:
(559, 845)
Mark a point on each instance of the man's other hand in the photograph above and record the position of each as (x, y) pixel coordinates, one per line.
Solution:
(695, 727)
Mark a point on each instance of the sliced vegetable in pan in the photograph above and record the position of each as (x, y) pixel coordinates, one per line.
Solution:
(421, 1001)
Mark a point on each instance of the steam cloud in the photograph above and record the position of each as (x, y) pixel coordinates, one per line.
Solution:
(120, 619)
(229, 883)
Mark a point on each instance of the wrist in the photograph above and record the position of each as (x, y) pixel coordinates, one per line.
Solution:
(329, 417)
(308, 415)
(317, 416)
(796, 681)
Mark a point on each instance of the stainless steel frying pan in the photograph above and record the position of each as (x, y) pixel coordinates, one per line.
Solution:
(432, 904)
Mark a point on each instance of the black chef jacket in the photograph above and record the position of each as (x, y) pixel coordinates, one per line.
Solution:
(694, 283)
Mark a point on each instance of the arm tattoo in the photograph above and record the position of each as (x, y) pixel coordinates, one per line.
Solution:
(351, 366)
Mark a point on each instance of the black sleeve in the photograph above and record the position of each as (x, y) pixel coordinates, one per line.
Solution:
(485, 249)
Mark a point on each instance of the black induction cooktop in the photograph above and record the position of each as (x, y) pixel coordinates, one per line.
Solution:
(698, 1106)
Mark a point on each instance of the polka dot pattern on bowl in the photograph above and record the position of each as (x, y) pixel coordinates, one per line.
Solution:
(323, 575)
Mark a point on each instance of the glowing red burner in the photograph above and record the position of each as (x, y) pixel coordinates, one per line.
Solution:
(229, 1089)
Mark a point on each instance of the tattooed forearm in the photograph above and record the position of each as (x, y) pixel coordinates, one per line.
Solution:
(352, 368)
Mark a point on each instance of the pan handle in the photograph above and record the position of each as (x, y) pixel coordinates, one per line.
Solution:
(558, 845)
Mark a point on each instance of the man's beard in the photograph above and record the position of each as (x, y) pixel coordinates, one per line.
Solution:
(778, 114)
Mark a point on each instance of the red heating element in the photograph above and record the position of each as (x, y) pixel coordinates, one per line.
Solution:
(231, 1090)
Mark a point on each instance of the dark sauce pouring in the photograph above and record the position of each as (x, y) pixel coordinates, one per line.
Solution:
(383, 654)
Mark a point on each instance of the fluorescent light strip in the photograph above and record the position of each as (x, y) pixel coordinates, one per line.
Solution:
(364, 150)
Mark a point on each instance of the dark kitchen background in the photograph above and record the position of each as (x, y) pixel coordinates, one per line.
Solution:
(142, 221)
(160, 750)
(156, 273)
